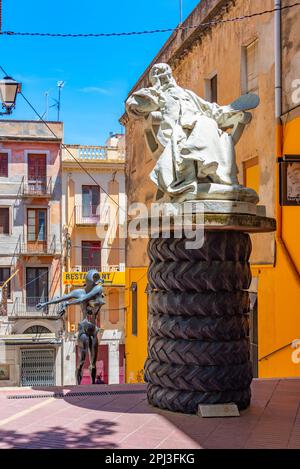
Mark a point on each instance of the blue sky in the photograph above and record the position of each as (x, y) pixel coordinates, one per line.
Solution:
(98, 72)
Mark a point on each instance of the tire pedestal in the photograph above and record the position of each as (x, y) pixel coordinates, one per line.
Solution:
(198, 307)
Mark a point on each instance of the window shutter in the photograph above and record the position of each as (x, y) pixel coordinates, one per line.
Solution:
(252, 67)
(4, 165)
(4, 220)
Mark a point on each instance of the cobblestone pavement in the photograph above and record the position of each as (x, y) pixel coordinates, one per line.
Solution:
(118, 416)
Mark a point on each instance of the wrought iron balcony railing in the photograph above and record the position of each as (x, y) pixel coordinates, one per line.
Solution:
(27, 308)
(39, 187)
(86, 215)
(47, 247)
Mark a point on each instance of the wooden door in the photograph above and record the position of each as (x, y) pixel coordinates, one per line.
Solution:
(37, 167)
(91, 255)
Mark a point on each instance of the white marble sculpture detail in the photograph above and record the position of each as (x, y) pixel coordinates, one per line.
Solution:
(195, 156)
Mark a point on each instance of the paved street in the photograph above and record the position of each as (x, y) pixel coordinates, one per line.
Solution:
(123, 419)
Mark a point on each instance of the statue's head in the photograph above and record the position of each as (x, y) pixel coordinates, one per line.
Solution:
(92, 279)
(161, 74)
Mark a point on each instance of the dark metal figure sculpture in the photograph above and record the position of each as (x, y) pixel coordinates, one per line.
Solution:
(91, 299)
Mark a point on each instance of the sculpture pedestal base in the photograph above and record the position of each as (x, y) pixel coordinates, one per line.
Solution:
(198, 349)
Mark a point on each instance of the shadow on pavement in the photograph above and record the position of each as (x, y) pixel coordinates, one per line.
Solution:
(96, 434)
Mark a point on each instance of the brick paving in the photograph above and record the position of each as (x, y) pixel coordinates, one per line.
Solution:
(127, 421)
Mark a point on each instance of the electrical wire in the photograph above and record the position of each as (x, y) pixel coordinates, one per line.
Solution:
(180, 27)
(65, 146)
(116, 34)
(36, 278)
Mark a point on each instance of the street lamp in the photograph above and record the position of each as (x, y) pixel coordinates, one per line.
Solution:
(8, 93)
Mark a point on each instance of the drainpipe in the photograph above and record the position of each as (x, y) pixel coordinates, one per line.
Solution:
(278, 63)
(278, 106)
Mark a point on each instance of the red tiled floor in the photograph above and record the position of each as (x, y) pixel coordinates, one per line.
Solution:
(127, 421)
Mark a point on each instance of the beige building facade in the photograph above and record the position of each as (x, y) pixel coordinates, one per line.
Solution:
(93, 183)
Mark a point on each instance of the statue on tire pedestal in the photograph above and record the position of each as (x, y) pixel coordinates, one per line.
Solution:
(198, 303)
(91, 299)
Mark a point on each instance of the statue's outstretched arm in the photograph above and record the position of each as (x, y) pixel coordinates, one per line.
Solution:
(85, 296)
(55, 301)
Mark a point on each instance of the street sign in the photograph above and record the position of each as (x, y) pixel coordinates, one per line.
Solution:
(109, 278)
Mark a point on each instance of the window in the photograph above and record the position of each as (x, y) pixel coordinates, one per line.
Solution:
(4, 220)
(214, 89)
(250, 68)
(251, 174)
(4, 165)
(91, 255)
(37, 168)
(36, 225)
(36, 286)
(4, 275)
(90, 200)
(211, 89)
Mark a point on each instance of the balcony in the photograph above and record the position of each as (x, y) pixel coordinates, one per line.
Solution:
(48, 247)
(86, 215)
(93, 154)
(39, 188)
(27, 309)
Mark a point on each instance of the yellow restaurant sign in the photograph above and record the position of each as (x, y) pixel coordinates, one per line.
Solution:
(78, 278)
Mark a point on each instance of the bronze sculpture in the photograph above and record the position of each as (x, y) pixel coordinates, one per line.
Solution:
(91, 299)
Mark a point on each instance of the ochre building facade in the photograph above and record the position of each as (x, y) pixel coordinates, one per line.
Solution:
(220, 62)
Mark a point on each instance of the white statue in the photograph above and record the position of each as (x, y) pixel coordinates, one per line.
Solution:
(195, 155)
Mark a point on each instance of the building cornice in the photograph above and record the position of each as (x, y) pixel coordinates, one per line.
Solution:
(94, 165)
(30, 139)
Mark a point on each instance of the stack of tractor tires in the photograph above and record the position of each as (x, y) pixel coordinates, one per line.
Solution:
(198, 346)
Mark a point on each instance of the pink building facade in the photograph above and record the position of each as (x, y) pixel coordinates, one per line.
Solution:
(31, 342)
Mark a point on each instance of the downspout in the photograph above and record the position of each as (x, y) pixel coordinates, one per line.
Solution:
(278, 109)
(279, 130)
(278, 63)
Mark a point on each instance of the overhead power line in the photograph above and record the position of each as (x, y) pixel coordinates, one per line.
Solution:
(65, 146)
(180, 27)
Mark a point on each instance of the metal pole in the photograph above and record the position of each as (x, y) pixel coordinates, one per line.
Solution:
(180, 11)
(0, 15)
(46, 104)
(58, 103)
